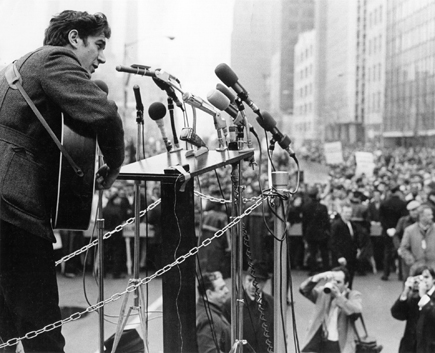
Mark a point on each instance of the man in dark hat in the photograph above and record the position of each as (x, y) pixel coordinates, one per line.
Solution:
(257, 327)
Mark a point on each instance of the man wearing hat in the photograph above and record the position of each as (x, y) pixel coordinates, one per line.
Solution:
(257, 327)
(404, 222)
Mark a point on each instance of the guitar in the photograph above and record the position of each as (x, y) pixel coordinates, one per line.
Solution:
(75, 193)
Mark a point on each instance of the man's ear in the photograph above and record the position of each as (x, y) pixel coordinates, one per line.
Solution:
(208, 293)
(73, 38)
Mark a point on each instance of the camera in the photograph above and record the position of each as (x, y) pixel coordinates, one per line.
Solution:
(327, 288)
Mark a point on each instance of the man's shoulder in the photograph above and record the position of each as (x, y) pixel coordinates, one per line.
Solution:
(45, 53)
(412, 228)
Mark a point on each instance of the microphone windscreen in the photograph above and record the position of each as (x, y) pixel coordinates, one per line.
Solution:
(102, 85)
(267, 123)
(225, 90)
(218, 99)
(226, 74)
(157, 111)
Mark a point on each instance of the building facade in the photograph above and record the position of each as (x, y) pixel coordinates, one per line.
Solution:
(410, 66)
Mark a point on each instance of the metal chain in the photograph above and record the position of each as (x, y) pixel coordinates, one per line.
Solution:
(108, 234)
(131, 288)
(223, 201)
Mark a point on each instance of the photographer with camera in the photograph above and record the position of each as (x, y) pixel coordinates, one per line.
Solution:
(330, 329)
(416, 306)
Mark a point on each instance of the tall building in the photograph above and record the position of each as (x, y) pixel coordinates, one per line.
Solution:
(339, 110)
(297, 16)
(304, 119)
(372, 108)
(410, 66)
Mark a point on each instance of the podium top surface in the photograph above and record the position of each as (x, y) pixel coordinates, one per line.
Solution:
(153, 168)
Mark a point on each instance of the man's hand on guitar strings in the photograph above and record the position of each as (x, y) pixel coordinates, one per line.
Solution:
(106, 177)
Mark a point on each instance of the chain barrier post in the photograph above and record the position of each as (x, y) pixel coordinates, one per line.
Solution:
(280, 180)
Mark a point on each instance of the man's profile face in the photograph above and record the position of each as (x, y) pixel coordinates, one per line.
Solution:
(248, 284)
(90, 52)
(219, 295)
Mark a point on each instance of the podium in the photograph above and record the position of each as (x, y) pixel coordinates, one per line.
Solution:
(176, 173)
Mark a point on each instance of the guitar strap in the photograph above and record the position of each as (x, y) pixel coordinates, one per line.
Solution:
(14, 80)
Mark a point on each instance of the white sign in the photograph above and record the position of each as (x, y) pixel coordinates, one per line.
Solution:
(333, 153)
(364, 163)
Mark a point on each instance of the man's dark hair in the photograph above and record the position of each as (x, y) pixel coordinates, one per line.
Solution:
(344, 270)
(420, 269)
(85, 24)
(206, 281)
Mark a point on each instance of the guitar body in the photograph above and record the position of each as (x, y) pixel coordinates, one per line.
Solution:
(74, 197)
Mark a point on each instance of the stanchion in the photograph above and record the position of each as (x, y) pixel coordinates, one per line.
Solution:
(139, 300)
(237, 260)
(280, 181)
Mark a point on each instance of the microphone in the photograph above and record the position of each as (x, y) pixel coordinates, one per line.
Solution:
(221, 102)
(157, 112)
(269, 124)
(169, 91)
(137, 96)
(229, 77)
(219, 122)
(144, 70)
(137, 70)
(102, 85)
(230, 95)
(199, 103)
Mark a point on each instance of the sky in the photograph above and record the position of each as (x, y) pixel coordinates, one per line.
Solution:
(201, 30)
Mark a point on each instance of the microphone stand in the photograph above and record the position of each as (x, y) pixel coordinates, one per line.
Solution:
(139, 301)
(174, 132)
(241, 109)
(100, 227)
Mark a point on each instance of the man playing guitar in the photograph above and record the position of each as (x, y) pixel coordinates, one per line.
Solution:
(57, 78)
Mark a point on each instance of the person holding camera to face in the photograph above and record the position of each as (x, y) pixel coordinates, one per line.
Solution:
(330, 329)
(416, 306)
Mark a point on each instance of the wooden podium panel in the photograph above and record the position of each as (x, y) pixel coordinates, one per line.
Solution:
(178, 236)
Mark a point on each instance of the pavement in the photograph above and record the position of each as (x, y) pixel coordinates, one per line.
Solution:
(82, 335)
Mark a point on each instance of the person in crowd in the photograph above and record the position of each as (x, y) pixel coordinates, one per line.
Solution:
(257, 311)
(344, 242)
(336, 200)
(316, 230)
(426, 318)
(115, 213)
(57, 78)
(406, 308)
(296, 242)
(215, 257)
(330, 329)
(430, 200)
(361, 224)
(402, 224)
(375, 227)
(152, 247)
(212, 328)
(389, 214)
(418, 243)
(72, 240)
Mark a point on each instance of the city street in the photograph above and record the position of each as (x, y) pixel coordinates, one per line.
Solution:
(83, 335)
